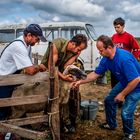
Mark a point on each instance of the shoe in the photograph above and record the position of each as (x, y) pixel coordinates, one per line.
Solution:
(69, 129)
(127, 137)
(106, 126)
(11, 136)
(8, 136)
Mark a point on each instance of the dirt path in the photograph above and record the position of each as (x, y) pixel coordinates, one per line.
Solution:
(89, 130)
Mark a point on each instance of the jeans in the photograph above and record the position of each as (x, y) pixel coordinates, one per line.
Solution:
(114, 80)
(5, 92)
(127, 112)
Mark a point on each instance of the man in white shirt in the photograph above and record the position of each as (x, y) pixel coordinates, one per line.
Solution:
(17, 56)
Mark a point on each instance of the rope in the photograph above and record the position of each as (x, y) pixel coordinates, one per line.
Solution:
(52, 113)
(51, 99)
(49, 120)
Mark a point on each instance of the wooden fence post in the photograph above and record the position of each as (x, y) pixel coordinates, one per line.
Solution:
(54, 117)
(54, 114)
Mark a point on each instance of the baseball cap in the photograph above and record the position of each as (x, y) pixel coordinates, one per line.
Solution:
(36, 30)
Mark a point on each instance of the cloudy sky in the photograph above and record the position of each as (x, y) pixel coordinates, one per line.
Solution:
(100, 13)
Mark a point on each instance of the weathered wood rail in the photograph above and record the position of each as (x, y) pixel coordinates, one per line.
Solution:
(52, 117)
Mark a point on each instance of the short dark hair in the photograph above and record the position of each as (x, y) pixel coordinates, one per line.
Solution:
(120, 21)
(107, 41)
(78, 39)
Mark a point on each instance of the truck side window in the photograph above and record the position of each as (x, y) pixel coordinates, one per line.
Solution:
(73, 32)
(19, 32)
(7, 35)
(65, 33)
(52, 34)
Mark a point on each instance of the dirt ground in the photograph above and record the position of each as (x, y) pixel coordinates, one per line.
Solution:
(89, 130)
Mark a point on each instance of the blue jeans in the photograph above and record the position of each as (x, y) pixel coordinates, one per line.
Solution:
(5, 92)
(128, 109)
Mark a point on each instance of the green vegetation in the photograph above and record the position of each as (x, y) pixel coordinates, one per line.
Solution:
(108, 76)
(138, 39)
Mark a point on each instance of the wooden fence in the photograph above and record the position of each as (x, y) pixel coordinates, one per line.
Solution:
(52, 116)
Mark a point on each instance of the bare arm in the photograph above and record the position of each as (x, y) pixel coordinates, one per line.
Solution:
(131, 86)
(135, 48)
(34, 69)
(55, 55)
(90, 77)
(72, 60)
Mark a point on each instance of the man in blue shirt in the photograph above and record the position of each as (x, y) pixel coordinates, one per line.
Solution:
(127, 70)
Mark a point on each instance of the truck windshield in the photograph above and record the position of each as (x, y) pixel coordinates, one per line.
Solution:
(91, 31)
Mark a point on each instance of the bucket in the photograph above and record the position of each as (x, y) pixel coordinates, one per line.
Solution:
(88, 109)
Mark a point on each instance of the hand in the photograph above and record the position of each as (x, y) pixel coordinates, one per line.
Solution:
(42, 68)
(119, 98)
(75, 84)
(68, 78)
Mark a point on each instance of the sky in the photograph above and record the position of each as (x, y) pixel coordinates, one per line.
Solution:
(99, 13)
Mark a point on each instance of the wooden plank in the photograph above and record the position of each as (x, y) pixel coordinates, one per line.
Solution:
(16, 79)
(27, 120)
(31, 99)
(25, 133)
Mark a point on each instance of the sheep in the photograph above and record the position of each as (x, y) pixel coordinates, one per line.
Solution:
(43, 88)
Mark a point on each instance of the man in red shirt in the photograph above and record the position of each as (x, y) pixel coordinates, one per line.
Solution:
(124, 40)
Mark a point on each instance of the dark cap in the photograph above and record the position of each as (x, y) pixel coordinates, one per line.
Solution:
(36, 30)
